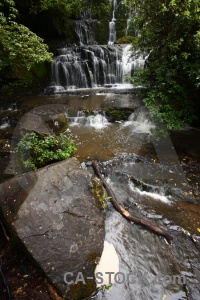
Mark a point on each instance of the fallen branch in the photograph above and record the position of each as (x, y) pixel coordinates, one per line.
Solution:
(124, 212)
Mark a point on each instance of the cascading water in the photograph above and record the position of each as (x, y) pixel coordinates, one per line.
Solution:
(87, 67)
(129, 62)
(112, 29)
(140, 122)
(4, 123)
(97, 120)
(92, 66)
(84, 30)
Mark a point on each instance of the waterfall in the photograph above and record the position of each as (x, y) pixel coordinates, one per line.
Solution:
(85, 33)
(139, 121)
(91, 67)
(130, 62)
(97, 121)
(83, 28)
(87, 67)
(112, 29)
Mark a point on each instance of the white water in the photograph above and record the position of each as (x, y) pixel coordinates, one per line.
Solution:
(4, 123)
(129, 62)
(139, 121)
(112, 29)
(97, 121)
(155, 196)
(84, 32)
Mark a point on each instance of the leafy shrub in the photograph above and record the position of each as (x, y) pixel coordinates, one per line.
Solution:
(38, 151)
(171, 37)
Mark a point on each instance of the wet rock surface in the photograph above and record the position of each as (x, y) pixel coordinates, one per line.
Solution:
(32, 122)
(143, 254)
(55, 216)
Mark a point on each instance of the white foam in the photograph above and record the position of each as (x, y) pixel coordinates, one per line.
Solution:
(98, 121)
(4, 123)
(140, 122)
(155, 196)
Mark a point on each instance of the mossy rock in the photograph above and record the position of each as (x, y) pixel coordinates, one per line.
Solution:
(99, 192)
(125, 40)
(118, 113)
(121, 25)
(60, 124)
(72, 112)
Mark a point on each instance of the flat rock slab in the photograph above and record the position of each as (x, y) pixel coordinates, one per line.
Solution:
(55, 216)
(33, 122)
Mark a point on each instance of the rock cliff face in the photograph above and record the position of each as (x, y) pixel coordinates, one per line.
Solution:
(55, 216)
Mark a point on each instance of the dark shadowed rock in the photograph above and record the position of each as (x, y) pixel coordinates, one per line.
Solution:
(55, 216)
(33, 122)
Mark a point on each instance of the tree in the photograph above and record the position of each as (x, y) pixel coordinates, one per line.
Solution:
(99, 9)
(19, 47)
(169, 32)
(68, 8)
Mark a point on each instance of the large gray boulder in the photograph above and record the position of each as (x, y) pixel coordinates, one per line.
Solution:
(33, 122)
(57, 219)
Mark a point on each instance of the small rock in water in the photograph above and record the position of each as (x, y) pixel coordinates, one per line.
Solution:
(108, 85)
(84, 96)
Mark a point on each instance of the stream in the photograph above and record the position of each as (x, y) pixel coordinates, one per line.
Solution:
(148, 177)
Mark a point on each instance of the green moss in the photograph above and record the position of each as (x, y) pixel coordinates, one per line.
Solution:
(80, 290)
(118, 113)
(101, 32)
(99, 192)
(121, 25)
(63, 122)
(125, 40)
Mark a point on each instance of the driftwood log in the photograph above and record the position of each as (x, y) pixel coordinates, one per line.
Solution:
(124, 212)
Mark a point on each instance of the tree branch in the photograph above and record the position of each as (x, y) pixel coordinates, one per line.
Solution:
(124, 212)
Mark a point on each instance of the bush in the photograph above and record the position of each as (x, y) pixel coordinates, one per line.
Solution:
(125, 40)
(35, 151)
(171, 36)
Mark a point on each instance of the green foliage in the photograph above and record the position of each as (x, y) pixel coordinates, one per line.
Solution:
(19, 47)
(125, 40)
(99, 9)
(99, 192)
(170, 34)
(69, 9)
(36, 151)
(64, 8)
(107, 287)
